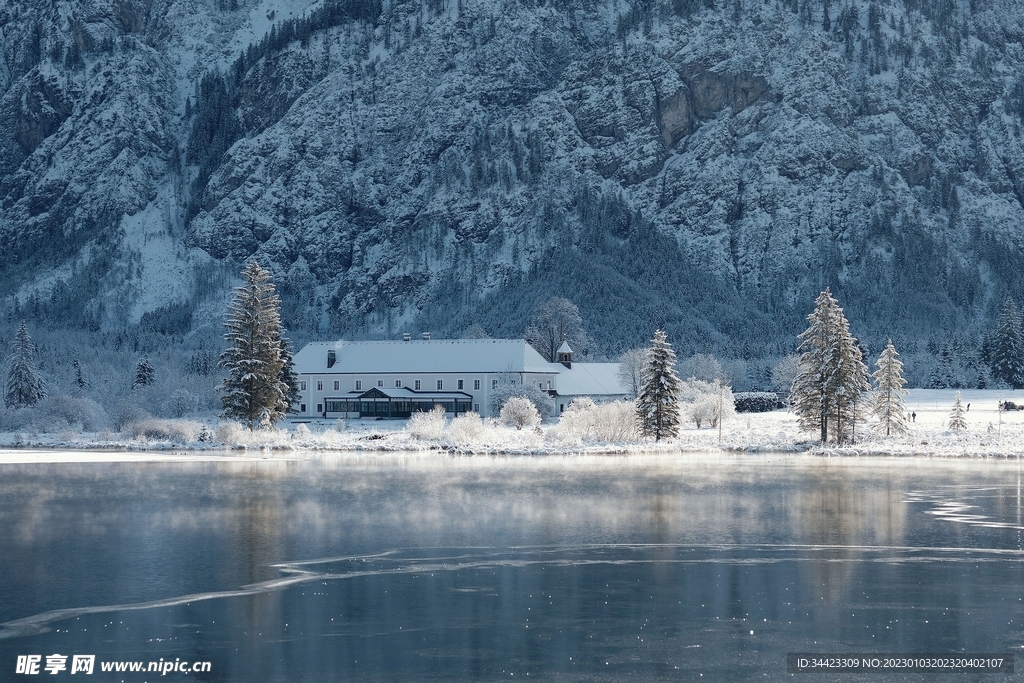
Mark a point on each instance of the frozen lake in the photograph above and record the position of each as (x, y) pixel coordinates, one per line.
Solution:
(418, 567)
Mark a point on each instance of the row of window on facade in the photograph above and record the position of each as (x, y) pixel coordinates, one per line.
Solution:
(394, 407)
(388, 408)
(417, 385)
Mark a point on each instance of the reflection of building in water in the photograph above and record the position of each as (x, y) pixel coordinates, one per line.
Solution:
(843, 519)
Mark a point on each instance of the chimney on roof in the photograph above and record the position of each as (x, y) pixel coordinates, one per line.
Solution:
(331, 358)
(426, 335)
(406, 336)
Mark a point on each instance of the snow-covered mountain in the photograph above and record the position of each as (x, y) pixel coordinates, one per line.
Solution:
(703, 165)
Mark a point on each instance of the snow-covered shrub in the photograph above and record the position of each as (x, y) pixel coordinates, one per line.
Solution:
(229, 432)
(711, 408)
(580, 404)
(576, 422)
(302, 431)
(583, 420)
(62, 412)
(519, 412)
(181, 403)
(508, 388)
(466, 428)
(76, 410)
(615, 422)
(181, 431)
(126, 412)
(706, 402)
(756, 401)
(703, 410)
(427, 426)
(693, 388)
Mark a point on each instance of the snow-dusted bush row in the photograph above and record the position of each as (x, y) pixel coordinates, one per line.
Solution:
(706, 403)
(56, 413)
(428, 425)
(511, 429)
(467, 428)
(756, 401)
(587, 422)
(178, 431)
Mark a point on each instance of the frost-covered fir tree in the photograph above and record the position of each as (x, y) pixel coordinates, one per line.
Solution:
(888, 403)
(260, 382)
(80, 381)
(145, 374)
(1007, 346)
(288, 375)
(832, 377)
(24, 385)
(657, 405)
(957, 418)
(942, 376)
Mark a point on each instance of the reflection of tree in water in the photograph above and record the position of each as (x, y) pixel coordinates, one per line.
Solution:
(255, 534)
(830, 512)
(664, 526)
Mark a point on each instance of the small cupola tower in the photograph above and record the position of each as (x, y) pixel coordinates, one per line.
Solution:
(564, 354)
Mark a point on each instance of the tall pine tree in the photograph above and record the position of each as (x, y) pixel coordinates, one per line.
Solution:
(24, 385)
(261, 382)
(888, 403)
(1007, 346)
(657, 406)
(832, 377)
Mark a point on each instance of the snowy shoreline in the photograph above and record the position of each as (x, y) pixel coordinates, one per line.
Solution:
(990, 434)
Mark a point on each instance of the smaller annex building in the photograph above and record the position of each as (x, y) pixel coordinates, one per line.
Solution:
(597, 381)
(395, 378)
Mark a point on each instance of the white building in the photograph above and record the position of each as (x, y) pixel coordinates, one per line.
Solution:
(598, 381)
(349, 379)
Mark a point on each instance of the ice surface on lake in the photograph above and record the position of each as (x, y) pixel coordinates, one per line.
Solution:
(411, 568)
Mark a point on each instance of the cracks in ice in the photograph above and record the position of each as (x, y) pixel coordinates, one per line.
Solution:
(423, 561)
(962, 512)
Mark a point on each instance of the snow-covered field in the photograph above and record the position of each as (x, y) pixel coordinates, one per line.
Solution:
(990, 433)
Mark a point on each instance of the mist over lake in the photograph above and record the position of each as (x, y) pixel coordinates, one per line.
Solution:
(412, 567)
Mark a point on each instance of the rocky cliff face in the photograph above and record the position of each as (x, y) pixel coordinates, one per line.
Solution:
(704, 166)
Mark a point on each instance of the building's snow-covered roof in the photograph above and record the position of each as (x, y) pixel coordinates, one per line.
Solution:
(590, 379)
(403, 393)
(423, 355)
(564, 348)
